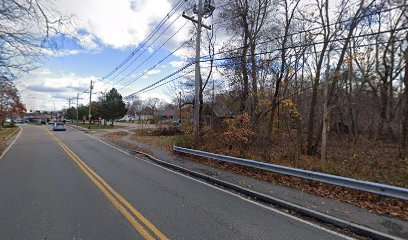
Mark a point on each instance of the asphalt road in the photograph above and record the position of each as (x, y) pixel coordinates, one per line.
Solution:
(67, 185)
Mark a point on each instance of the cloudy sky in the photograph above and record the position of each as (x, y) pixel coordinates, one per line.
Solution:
(107, 31)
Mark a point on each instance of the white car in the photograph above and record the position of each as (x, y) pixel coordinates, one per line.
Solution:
(59, 126)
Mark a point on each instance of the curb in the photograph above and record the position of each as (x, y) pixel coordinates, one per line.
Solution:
(82, 129)
(322, 217)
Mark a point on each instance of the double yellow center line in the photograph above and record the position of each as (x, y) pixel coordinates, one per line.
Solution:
(136, 219)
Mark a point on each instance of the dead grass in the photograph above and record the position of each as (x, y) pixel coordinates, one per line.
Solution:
(115, 135)
(164, 142)
(360, 158)
(363, 159)
(5, 133)
(97, 127)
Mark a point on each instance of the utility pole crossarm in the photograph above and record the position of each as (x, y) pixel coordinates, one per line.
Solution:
(195, 21)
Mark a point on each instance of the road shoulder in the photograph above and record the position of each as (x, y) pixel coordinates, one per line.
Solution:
(341, 210)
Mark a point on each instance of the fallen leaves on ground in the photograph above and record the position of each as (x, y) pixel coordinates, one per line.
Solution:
(372, 202)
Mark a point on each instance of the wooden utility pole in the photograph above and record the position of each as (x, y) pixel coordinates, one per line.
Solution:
(77, 106)
(69, 102)
(197, 87)
(180, 108)
(201, 11)
(90, 104)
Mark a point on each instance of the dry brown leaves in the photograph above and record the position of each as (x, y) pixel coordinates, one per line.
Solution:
(373, 202)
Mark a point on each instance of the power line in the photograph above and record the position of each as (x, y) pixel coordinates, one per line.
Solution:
(152, 86)
(312, 29)
(151, 55)
(303, 45)
(146, 89)
(171, 80)
(145, 49)
(163, 79)
(151, 68)
(161, 23)
(289, 47)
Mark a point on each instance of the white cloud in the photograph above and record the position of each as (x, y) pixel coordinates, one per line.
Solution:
(87, 41)
(117, 23)
(177, 64)
(154, 71)
(43, 88)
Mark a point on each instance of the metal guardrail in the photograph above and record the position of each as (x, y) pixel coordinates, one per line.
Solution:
(378, 188)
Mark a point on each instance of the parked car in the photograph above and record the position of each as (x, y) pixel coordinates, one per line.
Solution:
(59, 126)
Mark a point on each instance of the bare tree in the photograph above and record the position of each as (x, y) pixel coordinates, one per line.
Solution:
(27, 31)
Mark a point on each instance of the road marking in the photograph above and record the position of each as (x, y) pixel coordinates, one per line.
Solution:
(230, 193)
(117, 200)
(11, 144)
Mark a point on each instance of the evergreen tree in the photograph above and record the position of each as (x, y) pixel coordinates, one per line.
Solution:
(113, 107)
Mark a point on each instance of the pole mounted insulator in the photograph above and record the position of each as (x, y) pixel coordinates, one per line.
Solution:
(207, 10)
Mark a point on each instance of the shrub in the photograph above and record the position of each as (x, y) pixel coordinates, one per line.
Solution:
(239, 134)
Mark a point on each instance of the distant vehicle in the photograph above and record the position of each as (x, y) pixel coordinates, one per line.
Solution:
(51, 122)
(19, 121)
(43, 122)
(59, 126)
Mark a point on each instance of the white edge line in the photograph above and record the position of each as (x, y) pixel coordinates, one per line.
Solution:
(228, 192)
(11, 144)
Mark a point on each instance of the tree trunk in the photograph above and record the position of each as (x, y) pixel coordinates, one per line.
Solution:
(404, 137)
(245, 81)
(254, 70)
(311, 122)
(325, 123)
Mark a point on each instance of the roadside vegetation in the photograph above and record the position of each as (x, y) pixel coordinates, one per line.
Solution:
(5, 133)
(96, 126)
(105, 111)
(345, 156)
(321, 86)
(164, 138)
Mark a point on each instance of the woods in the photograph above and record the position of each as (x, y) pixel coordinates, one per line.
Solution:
(311, 75)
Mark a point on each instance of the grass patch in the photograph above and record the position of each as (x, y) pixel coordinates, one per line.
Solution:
(97, 127)
(5, 133)
(164, 142)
